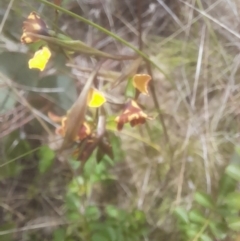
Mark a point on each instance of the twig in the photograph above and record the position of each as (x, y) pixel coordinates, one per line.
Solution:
(140, 24)
(24, 102)
(155, 100)
(6, 15)
(32, 227)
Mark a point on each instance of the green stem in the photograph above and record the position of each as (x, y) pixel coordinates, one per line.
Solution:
(20, 156)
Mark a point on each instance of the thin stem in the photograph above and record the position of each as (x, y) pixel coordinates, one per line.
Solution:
(161, 118)
(140, 24)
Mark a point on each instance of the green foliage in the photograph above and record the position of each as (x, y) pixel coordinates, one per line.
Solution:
(227, 184)
(116, 143)
(233, 170)
(204, 200)
(90, 222)
(46, 158)
(130, 91)
(19, 72)
(182, 215)
(15, 147)
(7, 99)
(5, 227)
(59, 235)
(196, 216)
(213, 219)
(67, 93)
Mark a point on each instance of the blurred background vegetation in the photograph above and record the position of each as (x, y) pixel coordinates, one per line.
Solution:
(174, 178)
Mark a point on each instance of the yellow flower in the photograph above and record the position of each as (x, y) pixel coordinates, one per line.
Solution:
(95, 98)
(40, 59)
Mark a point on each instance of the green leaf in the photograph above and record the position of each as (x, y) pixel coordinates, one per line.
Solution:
(235, 158)
(73, 216)
(76, 185)
(72, 202)
(112, 211)
(6, 227)
(106, 231)
(92, 213)
(46, 156)
(196, 217)
(112, 234)
(7, 99)
(192, 232)
(204, 200)
(233, 170)
(225, 211)
(67, 94)
(234, 223)
(15, 66)
(60, 62)
(205, 237)
(99, 237)
(218, 230)
(130, 91)
(100, 154)
(226, 185)
(181, 214)
(233, 200)
(74, 164)
(237, 151)
(116, 143)
(90, 167)
(59, 235)
(13, 151)
(139, 216)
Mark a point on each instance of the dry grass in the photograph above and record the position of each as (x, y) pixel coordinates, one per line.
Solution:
(197, 44)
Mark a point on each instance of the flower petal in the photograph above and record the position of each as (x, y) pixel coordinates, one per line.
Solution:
(40, 59)
(60, 131)
(34, 24)
(140, 82)
(83, 132)
(132, 114)
(95, 98)
(55, 118)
